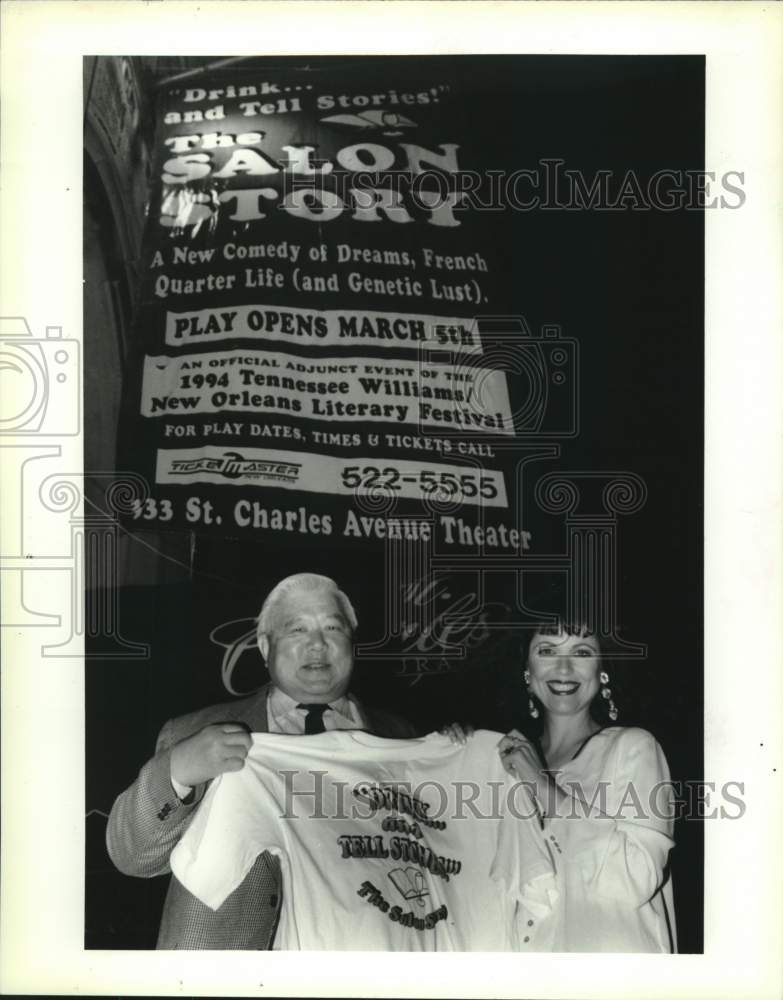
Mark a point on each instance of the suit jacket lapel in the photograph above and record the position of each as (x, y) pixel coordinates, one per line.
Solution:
(253, 711)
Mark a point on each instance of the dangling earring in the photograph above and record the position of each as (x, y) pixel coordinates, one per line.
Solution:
(531, 705)
(606, 692)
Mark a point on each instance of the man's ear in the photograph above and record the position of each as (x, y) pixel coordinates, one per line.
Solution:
(263, 645)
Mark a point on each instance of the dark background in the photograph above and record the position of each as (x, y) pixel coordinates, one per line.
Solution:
(628, 285)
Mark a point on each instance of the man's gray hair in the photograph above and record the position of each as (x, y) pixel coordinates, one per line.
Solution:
(307, 582)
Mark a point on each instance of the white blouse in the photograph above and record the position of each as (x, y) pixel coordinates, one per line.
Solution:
(594, 875)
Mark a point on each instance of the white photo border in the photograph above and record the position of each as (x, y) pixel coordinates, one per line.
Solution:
(42, 914)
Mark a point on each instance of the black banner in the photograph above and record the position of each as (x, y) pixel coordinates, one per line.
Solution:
(326, 343)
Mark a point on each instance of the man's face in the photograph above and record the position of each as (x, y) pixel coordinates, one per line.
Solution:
(309, 648)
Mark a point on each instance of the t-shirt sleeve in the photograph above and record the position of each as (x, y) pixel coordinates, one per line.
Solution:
(622, 838)
(523, 862)
(237, 819)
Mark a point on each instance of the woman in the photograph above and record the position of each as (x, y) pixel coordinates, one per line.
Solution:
(596, 872)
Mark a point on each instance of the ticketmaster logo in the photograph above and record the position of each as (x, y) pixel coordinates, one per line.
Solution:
(232, 465)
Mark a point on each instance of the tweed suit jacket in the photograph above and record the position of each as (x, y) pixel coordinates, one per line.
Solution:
(148, 819)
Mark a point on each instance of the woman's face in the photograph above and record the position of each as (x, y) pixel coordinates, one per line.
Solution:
(564, 671)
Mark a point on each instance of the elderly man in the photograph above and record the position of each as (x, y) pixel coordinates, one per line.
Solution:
(305, 632)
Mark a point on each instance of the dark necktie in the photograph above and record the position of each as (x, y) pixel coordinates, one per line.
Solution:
(314, 720)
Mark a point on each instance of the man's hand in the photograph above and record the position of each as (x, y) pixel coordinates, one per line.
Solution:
(209, 752)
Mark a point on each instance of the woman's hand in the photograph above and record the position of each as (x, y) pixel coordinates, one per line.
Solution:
(458, 734)
(518, 756)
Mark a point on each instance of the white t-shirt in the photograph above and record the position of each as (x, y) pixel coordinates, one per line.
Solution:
(393, 845)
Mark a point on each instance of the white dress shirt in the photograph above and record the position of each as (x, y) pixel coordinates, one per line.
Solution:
(283, 715)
